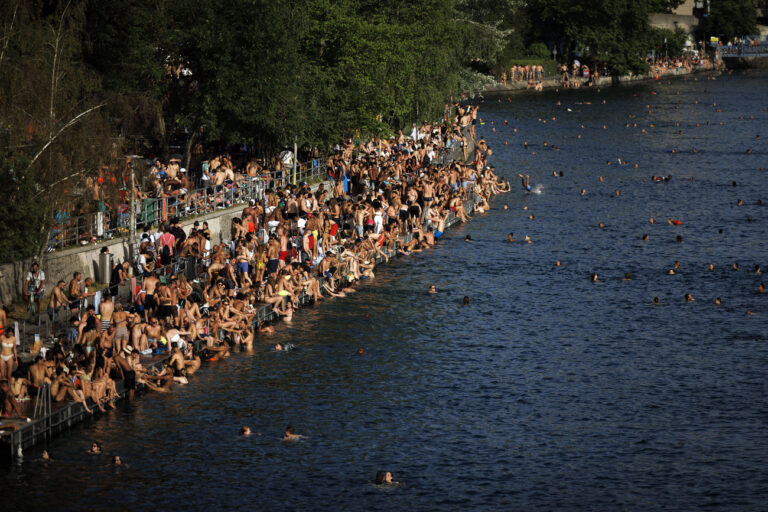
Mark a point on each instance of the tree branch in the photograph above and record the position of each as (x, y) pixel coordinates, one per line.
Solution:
(8, 37)
(71, 122)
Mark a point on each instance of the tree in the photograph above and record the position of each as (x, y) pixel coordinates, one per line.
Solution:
(610, 32)
(728, 19)
(55, 131)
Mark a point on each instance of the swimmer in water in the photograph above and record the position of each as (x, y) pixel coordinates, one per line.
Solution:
(735, 266)
(718, 301)
(465, 301)
(245, 431)
(711, 267)
(46, 455)
(290, 435)
(526, 182)
(528, 240)
(278, 348)
(758, 270)
(360, 351)
(645, 237)
(511, 237)
(583, 191)
(385, 478)
(627, 277)
(760, 288)
(558, 264)
(689, 297)
(432, 290)
(468, 238)
(593, 278)
(116, 460)
(95, 448)
(656, 301)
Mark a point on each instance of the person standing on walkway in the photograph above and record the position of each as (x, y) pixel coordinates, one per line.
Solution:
(34, 286)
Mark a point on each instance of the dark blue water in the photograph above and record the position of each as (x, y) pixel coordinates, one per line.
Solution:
(547, 392)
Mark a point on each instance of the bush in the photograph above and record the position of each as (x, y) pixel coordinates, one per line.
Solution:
(538, 50)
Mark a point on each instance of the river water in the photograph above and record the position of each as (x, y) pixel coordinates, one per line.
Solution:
(547, 392)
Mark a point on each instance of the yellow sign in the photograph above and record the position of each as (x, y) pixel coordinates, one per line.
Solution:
(714, 39)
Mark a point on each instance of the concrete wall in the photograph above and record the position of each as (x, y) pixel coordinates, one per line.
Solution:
(684, 9)
(63, 263)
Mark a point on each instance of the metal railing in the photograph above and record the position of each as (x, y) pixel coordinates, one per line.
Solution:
(743, 50)
(86, 229)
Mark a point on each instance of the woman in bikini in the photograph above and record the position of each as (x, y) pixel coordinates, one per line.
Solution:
(8, 354)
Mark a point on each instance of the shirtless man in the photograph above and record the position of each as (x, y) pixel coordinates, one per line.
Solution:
(129, 374)
(58, 300)
(253, 168)
(153, 331)
(193, 362)
(107, 343)
(37, 375)
(75, 292)
(273, 251)
(165, 309)
(176, 363)
(106, 309)
(62, 387)
(150, 301)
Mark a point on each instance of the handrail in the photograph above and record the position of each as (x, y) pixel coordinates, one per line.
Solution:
(87, 229)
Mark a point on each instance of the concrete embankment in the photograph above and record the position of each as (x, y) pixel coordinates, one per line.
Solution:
(604, 81)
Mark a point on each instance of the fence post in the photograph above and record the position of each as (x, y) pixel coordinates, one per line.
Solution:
(295, 158)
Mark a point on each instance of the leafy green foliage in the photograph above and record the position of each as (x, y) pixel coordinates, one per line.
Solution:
(24, 226)
(728, 19)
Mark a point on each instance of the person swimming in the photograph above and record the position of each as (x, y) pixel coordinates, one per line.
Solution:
(385, 478)
(511, 237)
(525, 180)
(465, 301)
(290, 435)
(245, 431)
(432, 289)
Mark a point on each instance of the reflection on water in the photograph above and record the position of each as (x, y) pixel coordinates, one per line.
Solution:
(548, 391)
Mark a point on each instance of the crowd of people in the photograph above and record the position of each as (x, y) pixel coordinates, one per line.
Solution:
(199, 301)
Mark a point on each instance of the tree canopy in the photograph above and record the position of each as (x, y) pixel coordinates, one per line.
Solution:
(728, 19)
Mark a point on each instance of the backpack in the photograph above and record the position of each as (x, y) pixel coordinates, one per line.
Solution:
(165, 256)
